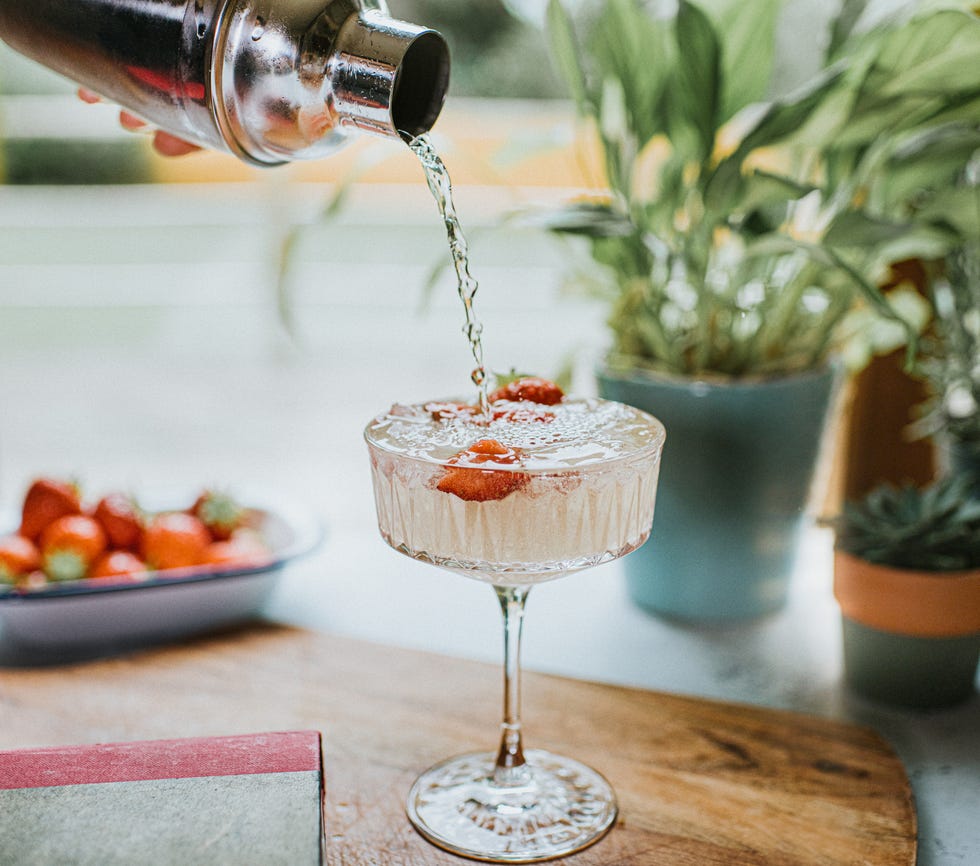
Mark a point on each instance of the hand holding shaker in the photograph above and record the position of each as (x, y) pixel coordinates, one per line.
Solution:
(271, 81)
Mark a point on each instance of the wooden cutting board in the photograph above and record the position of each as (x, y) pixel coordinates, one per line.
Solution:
(699, 782)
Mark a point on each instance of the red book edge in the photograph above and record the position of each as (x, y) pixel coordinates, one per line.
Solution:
(146, 760)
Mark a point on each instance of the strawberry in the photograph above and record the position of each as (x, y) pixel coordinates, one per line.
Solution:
(447, 411)
(119, 564)
(70, 545)
(243, 550)
(219, 512)
(46, 500)
(461, 477)
(121, 520)
(174, 539)
(18, 557)
(531, 389)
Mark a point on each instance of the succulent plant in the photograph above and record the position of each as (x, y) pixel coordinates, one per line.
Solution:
(933, 528)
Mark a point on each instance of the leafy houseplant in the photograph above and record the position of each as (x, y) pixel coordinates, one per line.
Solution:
(701, 249)
(908, 148)
(907, 576)
(735, 242)
(951, 360)
(737, 235)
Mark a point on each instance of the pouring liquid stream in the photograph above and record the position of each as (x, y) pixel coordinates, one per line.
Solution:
(440, 186)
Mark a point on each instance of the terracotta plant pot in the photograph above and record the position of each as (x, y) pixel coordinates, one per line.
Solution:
(911, 638)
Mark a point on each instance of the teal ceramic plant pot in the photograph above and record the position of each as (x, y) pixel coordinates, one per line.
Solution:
(734, 484)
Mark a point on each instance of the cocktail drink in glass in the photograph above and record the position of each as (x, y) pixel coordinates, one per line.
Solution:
(543, 487)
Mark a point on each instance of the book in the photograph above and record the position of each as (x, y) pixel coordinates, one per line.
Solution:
(248, 799)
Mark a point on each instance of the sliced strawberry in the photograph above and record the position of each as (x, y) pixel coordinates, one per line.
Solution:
(441, 411)
(46, 500)
(121, 520)
(464, 479)
(532, 389)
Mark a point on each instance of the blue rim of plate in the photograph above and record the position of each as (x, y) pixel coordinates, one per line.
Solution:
(308, 533)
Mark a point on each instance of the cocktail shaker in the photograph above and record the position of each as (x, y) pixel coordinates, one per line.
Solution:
(269, 80)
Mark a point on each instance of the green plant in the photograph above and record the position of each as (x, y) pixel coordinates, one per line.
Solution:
(950, 363)
(738, 235)
(935, 528)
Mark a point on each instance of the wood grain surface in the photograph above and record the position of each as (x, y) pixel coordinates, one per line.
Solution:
(699, 782)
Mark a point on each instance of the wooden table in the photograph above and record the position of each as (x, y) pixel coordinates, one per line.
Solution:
(699, 782)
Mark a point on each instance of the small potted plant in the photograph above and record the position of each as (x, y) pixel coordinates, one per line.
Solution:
(907, 578)
(737, 235)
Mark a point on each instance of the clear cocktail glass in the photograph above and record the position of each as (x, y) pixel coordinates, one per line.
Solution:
(559, 490)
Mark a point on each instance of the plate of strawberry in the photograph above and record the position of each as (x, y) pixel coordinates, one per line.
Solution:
(109, 570)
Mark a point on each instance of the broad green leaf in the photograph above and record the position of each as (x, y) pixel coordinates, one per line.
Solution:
(724, 187)
(843, 25)
(631, 46)
(872, 118)
(899, 188)
(825, 255)
(778, 121)
(747, 32)
(696, 95)
(933, 54)
(762, 189)
(854, 229)
(784, 116)
(285, 307)
(947, 142)
(925, 162)
(958, 208)
(960, 109)
(613, 124)
(586, 218)
(566, 53)
(829, 120)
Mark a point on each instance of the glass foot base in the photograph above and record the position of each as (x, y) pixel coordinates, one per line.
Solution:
(557, 806)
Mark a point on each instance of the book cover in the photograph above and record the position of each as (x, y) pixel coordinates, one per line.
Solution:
(249, 799)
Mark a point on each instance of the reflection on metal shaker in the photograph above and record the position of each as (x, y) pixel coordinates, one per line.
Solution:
(271, 82)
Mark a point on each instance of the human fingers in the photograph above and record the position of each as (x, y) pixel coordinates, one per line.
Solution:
(170, 145)
(131, 121)
(163, 142)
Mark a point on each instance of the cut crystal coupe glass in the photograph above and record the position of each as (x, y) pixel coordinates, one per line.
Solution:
(533, 494)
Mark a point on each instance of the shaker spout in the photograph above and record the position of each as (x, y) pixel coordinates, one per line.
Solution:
(389, 77)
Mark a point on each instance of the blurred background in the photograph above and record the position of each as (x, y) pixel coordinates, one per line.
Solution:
(168, 324)
(142, 302)
(141, 305)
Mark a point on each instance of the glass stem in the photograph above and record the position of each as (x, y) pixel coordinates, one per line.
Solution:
(510, 768)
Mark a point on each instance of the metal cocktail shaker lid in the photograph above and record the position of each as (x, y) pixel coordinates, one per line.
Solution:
(288, 92)
(269, 80)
